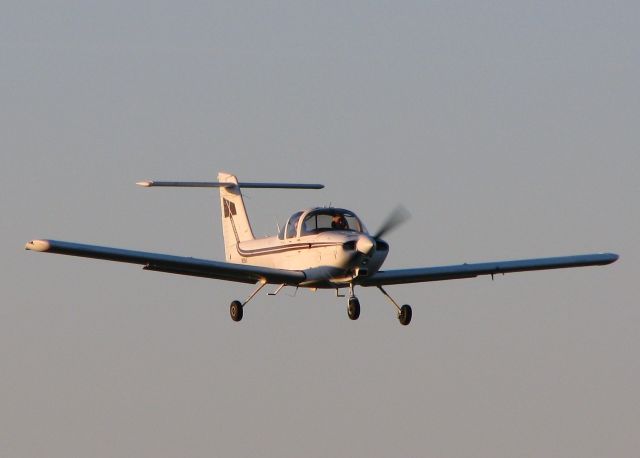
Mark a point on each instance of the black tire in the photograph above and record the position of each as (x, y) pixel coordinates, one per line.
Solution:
(235, 310)
(404, 316)
(353, 309)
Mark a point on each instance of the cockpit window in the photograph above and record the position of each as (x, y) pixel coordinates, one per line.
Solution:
(330, 220)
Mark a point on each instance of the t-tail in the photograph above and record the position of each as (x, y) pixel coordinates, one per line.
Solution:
(235, 221)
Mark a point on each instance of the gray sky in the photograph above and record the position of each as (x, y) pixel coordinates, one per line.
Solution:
(509, 130)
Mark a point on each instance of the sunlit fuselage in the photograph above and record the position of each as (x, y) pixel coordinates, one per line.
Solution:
(330, 257)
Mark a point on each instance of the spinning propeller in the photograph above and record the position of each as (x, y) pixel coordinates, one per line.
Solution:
(397, 217)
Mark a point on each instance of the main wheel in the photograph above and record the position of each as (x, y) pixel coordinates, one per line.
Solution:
(235, 310)
(404, 316)
(353, 309)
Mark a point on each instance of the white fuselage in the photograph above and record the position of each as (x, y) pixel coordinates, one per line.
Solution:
(329, 259)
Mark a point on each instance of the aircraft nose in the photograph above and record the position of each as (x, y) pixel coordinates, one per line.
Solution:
(365, 245)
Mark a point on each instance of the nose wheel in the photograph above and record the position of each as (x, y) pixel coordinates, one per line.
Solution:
(353, 309)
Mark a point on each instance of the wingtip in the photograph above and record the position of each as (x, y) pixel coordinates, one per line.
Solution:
(612, 257)
(38, 245)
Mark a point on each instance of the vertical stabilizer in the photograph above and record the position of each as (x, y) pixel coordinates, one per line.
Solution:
(235, 222)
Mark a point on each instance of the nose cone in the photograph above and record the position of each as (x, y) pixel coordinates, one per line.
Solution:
(365, 245)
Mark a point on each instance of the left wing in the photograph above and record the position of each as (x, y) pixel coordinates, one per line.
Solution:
(173, 264)
(425, 274)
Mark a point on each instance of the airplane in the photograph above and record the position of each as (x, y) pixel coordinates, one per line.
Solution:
(318, 248)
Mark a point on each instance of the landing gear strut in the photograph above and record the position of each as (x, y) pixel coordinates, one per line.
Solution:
(404, 312)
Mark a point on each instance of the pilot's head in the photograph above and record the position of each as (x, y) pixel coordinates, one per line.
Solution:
(338, 222)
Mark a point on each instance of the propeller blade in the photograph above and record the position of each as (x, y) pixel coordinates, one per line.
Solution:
(398, 216)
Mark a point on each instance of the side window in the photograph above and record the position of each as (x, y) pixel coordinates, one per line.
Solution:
(292, 225)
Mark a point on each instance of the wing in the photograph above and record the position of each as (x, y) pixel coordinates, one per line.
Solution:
(173, 264)
(424, 274)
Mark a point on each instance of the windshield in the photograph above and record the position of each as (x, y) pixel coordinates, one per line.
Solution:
(330, 220)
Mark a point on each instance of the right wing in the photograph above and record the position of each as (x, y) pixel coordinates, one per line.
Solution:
(173, 264)
(425, 274)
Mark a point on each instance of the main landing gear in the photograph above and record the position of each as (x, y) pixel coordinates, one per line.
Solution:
(235, 310)
(404, 312)
(404, 315)
(353, 308)
(236, 307)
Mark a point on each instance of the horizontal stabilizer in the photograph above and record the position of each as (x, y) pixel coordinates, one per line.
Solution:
(215, 184)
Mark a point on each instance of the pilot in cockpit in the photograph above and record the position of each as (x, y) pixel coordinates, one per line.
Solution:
(339, 222)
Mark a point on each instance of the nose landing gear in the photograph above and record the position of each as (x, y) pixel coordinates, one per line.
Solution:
(353, 309)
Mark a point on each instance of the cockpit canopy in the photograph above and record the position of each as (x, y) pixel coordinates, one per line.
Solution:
(319, 220)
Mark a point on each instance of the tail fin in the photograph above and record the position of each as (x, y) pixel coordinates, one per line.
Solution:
(235, 222)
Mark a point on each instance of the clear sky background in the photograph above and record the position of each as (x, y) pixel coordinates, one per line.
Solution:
(508, 129)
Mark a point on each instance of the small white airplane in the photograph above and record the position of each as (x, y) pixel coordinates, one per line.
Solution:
(321, 247)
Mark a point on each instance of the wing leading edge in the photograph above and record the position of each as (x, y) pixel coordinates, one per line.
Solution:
(172, 264)
(426, 274)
